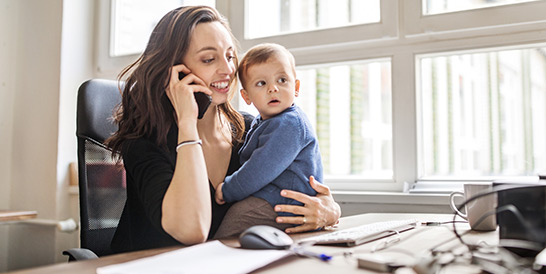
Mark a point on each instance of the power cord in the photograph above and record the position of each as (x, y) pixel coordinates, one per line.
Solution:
(499, 259)
(509, 208)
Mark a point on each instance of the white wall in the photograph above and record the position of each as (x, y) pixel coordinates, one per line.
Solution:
(8, 18)
(76, 67)
(46, 52)
(34, 133)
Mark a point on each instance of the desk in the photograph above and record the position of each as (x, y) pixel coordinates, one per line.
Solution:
(414, 242)
(9, 215)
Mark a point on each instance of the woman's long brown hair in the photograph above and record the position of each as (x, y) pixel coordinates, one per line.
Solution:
(145, 109)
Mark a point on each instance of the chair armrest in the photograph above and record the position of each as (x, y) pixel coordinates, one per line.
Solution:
(79, 254)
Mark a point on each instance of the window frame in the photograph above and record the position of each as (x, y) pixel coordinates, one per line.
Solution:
(402, 35)
(105, 65)
(490, 48)
(491, 19)
(415, 35)
(386, 27)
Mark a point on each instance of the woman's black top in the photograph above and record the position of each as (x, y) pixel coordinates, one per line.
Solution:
(149, 169)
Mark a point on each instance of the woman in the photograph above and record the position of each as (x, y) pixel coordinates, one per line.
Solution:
(173, 160)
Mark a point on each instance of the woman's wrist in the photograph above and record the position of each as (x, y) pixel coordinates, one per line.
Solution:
(335, 211)
(187, 131)
(186, 121)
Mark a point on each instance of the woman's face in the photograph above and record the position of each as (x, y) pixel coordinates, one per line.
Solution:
(211, 57)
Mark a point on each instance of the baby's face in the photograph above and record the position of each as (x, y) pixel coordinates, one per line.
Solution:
(271, 86)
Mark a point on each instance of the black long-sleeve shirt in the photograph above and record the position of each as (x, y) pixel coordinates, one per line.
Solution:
(149, 169)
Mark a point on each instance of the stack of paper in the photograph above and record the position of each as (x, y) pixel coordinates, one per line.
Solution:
(210, 257)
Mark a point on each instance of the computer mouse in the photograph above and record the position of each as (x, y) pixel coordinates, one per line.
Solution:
(264, 237)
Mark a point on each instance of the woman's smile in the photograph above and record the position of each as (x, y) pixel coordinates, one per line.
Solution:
(220, 86)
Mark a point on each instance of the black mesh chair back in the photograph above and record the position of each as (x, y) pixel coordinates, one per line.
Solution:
(101, 182)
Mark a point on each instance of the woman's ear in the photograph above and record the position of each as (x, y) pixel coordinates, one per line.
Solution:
(297, 87)
(244, 94)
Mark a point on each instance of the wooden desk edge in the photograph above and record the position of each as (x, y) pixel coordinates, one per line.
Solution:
(11, 215)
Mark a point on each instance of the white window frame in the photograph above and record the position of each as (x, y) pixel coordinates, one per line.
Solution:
(490, 48)
(402, 34)
(105, 65)
(405, 36)
(488, 20)
(372, 31)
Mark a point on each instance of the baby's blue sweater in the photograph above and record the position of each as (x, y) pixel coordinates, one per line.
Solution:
(278, 153)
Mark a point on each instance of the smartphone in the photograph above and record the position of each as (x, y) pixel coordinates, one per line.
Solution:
(203, 100)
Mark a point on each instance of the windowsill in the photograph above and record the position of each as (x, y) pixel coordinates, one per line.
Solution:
(436, 187)
(375, 197)
(372, 197)
(419, 193)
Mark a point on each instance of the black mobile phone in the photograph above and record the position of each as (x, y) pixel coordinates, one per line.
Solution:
(203, 100)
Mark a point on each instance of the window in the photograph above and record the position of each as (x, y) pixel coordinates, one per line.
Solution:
(483, 113)
(289, 16)
(436, 7)
(349, 103)
(134, 20)
(350, 107)
(475, 17)
(432, 64)
(321, 21)
(124, 27)
(406, 91)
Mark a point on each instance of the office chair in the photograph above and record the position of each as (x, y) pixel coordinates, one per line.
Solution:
(101, 182)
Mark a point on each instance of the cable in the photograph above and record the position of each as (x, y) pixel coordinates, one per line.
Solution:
(442, 223)
(494, 190)
(508, 262)
(514, 210)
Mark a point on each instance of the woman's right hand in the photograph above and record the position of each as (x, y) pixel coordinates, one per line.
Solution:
(180, 93)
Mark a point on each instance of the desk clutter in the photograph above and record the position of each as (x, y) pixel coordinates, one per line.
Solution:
(518, 209)
(439, 243)
(453, 255)
(432, 245)
(514, 213)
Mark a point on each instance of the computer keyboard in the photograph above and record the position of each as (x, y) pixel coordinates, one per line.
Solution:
(362, 234)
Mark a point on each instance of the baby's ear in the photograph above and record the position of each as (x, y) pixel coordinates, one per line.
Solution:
(244, 94)
(297, 87)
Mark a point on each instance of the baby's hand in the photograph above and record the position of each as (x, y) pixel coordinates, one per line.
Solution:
(219, 195)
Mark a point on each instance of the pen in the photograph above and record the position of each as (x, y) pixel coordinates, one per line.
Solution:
(321, 256)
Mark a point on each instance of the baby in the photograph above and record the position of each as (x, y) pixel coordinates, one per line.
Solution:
(280, 150)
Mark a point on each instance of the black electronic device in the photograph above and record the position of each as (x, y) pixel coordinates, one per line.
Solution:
(203, 100)
(522, 215)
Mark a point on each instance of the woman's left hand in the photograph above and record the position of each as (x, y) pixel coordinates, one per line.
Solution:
(219, 195)
(316, 212)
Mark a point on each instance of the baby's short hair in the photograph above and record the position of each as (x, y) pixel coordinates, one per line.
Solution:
(260, 54)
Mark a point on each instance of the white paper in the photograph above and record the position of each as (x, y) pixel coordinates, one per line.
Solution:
(210, 257)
